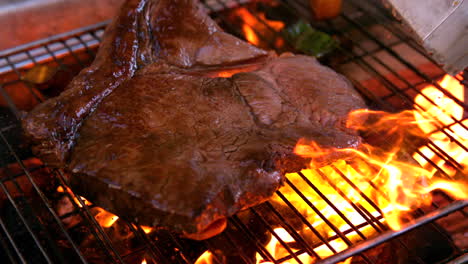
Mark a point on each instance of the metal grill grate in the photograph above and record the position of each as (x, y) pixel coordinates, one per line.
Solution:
(384, 64)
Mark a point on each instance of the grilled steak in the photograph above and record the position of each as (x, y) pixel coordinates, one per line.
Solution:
(179, 124)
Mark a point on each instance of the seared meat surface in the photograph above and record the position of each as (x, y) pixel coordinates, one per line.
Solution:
(160, 129)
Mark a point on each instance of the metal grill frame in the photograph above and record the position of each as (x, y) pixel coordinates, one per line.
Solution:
(86, 40)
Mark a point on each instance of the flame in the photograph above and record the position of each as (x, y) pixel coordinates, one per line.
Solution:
(205, 258)
(105, 219)
(258, 23)
(277, 251)
(447, 112)
(60, 189)
(146, 229)
(143, 261)
(382, 173)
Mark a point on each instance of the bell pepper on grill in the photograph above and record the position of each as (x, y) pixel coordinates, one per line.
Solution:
(309, 40)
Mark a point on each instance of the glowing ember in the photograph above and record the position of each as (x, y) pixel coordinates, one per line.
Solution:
(259, 24)
(60, 189)
(105, 219)
(205, 258)
(146, 229)
(380, 175)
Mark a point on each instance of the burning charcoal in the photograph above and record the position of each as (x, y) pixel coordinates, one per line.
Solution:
(64, 206)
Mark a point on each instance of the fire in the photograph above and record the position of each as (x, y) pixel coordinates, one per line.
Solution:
(60, 189)
(205, 258)
(376, 182)
(146, 229)
(447, 112)
(105, 219)
(278, 252)
(143, 261)
(259, 24)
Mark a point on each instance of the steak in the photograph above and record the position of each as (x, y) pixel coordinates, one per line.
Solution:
(179, 124)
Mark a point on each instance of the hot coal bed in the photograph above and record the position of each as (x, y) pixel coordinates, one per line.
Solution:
(43, 221)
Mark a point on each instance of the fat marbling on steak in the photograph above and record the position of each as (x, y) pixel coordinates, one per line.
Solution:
(150, 132)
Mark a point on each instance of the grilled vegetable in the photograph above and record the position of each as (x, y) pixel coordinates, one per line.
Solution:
(324, 9)
(310, 41)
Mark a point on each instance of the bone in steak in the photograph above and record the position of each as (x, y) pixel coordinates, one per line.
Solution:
(150, 132)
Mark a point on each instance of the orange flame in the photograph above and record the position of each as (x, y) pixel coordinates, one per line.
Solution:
(143, 261)
(447, 112)
(60, 189)
(105, 219)
(258, 23)
(384, 174)
(146, 229)
(205, 258)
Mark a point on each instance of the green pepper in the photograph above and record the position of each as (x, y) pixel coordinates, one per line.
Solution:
(308, 40)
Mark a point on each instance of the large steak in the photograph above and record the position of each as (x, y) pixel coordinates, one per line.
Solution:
(152, 132)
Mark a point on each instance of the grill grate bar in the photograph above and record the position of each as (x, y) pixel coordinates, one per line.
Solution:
(387, 19)
(363, 195)
(70, 51)
(419, 211)
(12, 242)
(179, 246)
(330, 203)
(100, 235)
(229, 238)
(11, 105)
(28, 85)
(87, 48)
(292, 231)
(153, 250)
(390, 85)
(361, 211)
(280, 240)
(5, 248)
(84, 41)
(260, 248)
(44, 200)
(399, 92)
(26, 223)
(455, 206)
(404, 96)
(323, 240)
(317, 211)
(400, 59)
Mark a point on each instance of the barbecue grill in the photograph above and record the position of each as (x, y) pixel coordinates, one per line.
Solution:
(386, 65)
